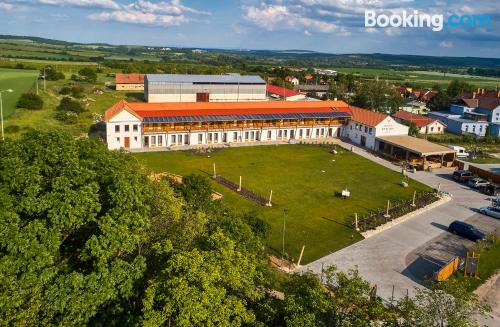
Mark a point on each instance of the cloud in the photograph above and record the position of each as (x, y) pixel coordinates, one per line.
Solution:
(446, 44)
(144, 12)
(281, 17)
(6, 6)
(109, 4)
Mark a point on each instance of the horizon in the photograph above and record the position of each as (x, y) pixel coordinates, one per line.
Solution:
(324, 26)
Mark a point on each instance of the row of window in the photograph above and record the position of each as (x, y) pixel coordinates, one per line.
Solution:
(359, 127)
(126, 128)
(474, 128)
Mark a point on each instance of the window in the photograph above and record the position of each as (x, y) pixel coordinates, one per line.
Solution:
(350, 127)
(209, 137)
(268, 135)
(186, 139)
(308, 132)
(371, 130)
(179, 139)
(439, 129)
(200, 138)
(252, 135)
(127, 128)
(280, 133)
(366, 129)
(153, 140)
(432, 129)
(118, 139)
(173, 139)
(135, 138)
(117, 128)
(216, 137)
(160, 140)
(285, 133)
(235, 136)
(300, 133)
(317, 132)
(135, 127)
(466, 128)
(246, 136)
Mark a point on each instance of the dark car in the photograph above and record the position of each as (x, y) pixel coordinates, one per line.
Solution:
(491, 189)
(466, 230)
(462, 175)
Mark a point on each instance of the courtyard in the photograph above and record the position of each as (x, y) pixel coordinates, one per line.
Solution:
(305, 180)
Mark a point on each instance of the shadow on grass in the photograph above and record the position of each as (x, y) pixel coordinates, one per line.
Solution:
(338, 223)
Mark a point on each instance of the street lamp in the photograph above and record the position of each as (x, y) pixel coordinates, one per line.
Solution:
(1, 109)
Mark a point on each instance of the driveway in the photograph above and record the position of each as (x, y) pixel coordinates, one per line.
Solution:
(393, 259)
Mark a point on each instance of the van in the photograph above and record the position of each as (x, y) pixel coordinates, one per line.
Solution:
(460, 151)
(462, 175)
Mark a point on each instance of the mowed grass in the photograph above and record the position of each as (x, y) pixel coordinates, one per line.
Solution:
(304, 180)
(20, 81)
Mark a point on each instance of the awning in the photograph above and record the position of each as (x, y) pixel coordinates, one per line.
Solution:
(416, 145)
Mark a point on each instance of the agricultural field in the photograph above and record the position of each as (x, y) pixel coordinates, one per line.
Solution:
(305, 181)
(423, 78)
(20, 81)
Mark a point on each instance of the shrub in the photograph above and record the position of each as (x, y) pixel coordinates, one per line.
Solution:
(51, 74)
(89, 74)
(65, 90)
(30, 101)
(68, 104)
(67, 117)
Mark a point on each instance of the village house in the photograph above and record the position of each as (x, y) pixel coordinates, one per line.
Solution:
(293, 80)
(275, 92)
(129, 82)
(425, 124)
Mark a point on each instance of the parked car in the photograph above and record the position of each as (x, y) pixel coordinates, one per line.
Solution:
(477, 182)
(462, 175)
(466, 230)
(490, 211)
(461, 153)
(491, 189)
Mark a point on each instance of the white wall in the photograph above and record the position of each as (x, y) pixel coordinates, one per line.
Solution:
(355, 130)
(214, 97)
(116, 140)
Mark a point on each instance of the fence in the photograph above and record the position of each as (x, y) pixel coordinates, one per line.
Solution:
(243, 191)
(380, 217)
(486, 174)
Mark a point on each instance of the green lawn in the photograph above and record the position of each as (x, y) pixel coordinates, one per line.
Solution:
(316, 217)
(20, 81)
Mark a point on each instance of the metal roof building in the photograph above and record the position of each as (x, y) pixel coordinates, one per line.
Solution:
(203, 88)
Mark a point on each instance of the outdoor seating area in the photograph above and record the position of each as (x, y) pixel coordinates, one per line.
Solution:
(419, 153)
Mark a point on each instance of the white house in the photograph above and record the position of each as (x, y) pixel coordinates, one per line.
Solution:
(365, 126)
(293, 80)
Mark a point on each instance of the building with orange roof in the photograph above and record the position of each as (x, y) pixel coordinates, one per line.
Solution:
(200, 124)
(424, 124)
(282, 93)
(365, 126)
(129, 82)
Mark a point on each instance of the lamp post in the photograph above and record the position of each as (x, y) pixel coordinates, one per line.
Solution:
(1, 109)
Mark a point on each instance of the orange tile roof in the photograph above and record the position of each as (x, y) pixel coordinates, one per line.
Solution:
(419, 120)
(281, 91)
(171, 109)
(366, 117)
(129, 78)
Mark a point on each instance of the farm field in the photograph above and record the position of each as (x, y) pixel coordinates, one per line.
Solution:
(20, 81)
(316, 217)
(424, 78)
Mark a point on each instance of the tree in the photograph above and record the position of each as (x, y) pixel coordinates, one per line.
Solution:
(441, 101)
(457, 87)
(197, 191)
(30, 101)
(73, 216)
(68, 104)
(446, 304)
(413, 128)
(88, 74)
(51, 74)
(208, 286)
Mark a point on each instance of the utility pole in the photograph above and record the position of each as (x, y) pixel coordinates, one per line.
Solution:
(284, 231)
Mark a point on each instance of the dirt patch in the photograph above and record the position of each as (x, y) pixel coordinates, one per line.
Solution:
(490, 292)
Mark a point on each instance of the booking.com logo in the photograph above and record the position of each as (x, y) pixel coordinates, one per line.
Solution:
(420, 20)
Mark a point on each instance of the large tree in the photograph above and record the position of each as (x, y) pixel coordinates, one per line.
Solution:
(73, 216)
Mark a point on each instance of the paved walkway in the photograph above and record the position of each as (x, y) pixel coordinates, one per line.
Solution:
(382, 259)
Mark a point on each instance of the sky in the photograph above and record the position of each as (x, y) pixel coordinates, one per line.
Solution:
(334, 26)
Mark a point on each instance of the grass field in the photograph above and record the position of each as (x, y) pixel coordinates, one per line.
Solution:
(423, 78)
(20, 81)
(316, 217)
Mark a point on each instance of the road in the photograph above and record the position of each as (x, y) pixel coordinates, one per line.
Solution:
(400, 257)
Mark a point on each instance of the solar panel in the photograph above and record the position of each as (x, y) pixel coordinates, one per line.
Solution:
(177, 119)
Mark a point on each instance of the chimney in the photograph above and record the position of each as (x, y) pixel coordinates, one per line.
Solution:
(474, 95)
(498, 94)
(482, 91)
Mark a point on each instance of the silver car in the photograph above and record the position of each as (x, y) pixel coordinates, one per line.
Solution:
(477, 182)
(490, 211)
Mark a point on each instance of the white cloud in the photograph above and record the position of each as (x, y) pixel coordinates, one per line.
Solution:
(307, 33)
(109, 4)
(139, 17)
(446, 44)
(6, 6)
(280, 17)
(145, 12)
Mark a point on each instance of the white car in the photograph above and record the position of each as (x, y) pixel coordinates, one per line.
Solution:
(477, 182)
(490, 211)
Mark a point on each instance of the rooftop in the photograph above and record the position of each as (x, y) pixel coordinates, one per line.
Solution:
(366, 117)
(129, 78)
(205, 79)
(419, 120)
(198, 109)
(413, 144)
(281, 91)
